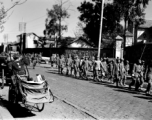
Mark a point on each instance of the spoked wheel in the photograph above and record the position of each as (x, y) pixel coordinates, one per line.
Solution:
(39, 106)
(12, 96)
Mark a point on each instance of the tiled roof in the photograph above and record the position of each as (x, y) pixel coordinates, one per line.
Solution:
(147, 24)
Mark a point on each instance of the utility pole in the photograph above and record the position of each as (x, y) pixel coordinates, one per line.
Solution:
(22, 28)
(6, 42)
(60, 17)
(100, 34)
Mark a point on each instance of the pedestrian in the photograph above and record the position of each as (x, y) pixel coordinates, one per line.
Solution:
(111, 71)
(86, 68)
(97, 69)
(148, 77)
(69, 65)
(104, 70)
(61, 64)
(34, 60)
(122, 72)
(127, 68)
(136, 75)
(117, 72)
(142, 74)
(81, 65)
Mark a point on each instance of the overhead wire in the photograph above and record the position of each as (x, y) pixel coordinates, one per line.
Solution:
(29, 21)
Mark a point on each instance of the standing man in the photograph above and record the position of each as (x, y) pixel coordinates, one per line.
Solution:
(127, 68)
(69, 65)
(86, 68)
(137, 75)
(61, 64)
(122, 72)
(111, 70)
(148, 77)
(117, 72)
(35, 59)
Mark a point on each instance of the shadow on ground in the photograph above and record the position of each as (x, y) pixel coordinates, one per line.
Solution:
(140, 95)
(17, 111)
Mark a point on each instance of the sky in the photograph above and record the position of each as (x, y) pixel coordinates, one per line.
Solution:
(34, 13)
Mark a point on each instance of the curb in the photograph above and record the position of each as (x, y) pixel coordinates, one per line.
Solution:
(79, 108)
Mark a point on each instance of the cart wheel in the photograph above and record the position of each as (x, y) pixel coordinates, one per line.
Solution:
(40, 106)
(12, 96)
(51, 94)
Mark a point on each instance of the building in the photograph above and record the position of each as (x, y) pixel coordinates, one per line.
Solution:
(144, 33)
(80, 43)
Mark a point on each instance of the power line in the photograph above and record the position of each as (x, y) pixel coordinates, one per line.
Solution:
(30, 21)
(36, 19)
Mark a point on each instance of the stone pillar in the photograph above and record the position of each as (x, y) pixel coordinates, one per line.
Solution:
(119, 48)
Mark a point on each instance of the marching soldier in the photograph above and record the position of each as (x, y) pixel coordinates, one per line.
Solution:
(81, 67)
(148, 77)
(127, 68)
(142, 74)
(61, 64)
(111, 70)
(68, 65)
(117, 72)
(122, 72)
(137, 75)
(86, 68)
(76, 65)
(104, 70)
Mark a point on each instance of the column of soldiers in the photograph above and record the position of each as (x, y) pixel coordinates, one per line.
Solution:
(115, 71)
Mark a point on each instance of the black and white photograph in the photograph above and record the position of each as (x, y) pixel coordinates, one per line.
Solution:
(75, 60)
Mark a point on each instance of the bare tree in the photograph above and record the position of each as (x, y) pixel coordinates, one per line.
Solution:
(56, 16)
(4, 12)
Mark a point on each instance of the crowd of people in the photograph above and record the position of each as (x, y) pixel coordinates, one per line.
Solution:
(115, 71)
(111, 70)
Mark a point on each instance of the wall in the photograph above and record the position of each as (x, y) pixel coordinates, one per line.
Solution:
(79, 51)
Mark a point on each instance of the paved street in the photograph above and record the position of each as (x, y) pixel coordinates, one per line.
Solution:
(100, 100)
(80, 99)
(56, 110)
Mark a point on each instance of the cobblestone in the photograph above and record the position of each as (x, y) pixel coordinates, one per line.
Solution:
(103, 101)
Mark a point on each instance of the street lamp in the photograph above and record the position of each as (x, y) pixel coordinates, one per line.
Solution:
(100, 34)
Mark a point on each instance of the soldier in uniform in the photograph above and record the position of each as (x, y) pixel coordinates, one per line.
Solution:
(111, 70)
(86, 68)
(137, 75)
(81, 67)
(142, 74)
(68, 65)
(122, 72)
(104, 68)
(58, 63)
(35, 59)
(117, 72)
(61, 64)
(127, 68)
(75, 67)
(148, 77)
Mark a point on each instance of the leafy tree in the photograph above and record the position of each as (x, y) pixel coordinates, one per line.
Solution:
(56, 15)
(90, 16)
(132, 12)
(127, 10)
